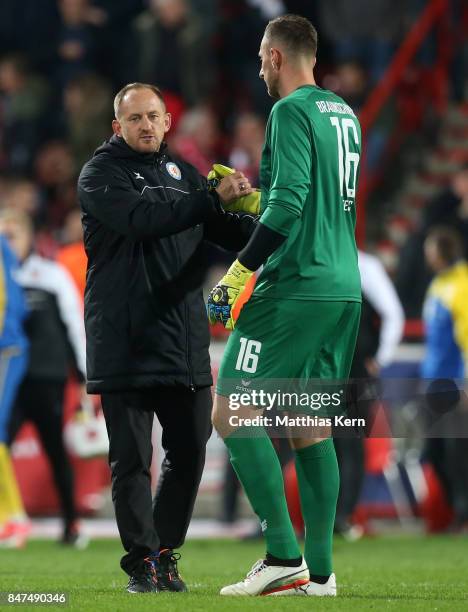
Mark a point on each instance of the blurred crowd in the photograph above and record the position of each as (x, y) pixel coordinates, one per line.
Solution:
(62, 61)
(449, 207)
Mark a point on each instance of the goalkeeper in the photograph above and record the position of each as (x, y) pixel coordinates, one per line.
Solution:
(302, 319)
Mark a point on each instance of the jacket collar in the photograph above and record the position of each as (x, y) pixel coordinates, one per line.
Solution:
(117, 147)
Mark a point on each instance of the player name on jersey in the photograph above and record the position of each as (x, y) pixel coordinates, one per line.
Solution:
(327, 106)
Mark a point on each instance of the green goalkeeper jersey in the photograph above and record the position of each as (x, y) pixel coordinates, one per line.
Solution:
(308, 181)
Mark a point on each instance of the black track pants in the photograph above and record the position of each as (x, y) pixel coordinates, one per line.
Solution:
(185, 418)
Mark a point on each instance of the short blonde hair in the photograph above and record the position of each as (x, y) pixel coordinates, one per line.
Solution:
(129, 87)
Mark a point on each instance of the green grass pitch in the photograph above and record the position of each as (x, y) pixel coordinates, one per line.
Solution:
(391, 573)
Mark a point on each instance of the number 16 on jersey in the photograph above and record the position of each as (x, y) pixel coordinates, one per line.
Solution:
(348, 161)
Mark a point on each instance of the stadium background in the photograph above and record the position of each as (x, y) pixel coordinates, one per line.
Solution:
(401, 65)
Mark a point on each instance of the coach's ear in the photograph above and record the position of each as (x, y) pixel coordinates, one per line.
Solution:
(167, 122)
(116, 127)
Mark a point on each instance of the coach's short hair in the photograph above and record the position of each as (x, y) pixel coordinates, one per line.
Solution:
(297, 34)
(448, 242)
(120, 95)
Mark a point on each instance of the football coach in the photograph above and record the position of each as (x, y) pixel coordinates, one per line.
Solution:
(146, 215)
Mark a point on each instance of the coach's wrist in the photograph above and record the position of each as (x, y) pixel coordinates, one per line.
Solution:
(216, 202)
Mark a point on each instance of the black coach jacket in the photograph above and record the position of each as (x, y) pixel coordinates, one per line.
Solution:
(145, 219)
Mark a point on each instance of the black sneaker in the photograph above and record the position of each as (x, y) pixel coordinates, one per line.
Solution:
(168, 575)
(144, 580)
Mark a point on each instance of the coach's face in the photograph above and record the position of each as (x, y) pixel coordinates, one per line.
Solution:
(269, 67)
(142, 120)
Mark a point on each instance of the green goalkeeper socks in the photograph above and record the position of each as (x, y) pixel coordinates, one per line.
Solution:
(257, 466)
(318, 479)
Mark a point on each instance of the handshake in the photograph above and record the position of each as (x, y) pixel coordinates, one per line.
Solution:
(236, 195)
(234, 190)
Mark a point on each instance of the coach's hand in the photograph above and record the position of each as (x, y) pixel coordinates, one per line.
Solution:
(234, 190)
(224, 296)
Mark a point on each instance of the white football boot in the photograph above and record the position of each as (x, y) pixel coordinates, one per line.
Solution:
(314, 589)
(269, 580)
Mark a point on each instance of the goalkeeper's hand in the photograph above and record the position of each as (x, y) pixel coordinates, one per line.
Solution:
(224, 296)
(250, 202)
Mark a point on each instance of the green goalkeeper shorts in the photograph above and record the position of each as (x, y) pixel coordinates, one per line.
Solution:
(290, 339)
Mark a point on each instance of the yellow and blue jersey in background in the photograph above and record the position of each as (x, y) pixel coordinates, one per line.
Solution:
(13, 340)
(12, 302)
(446, 324)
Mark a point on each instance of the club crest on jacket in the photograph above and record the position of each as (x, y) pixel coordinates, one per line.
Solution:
(174, 170)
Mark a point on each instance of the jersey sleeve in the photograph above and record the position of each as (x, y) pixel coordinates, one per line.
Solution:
(291, 154)
(379, 291)
(71, 314)
(3, 292)
(460, 321)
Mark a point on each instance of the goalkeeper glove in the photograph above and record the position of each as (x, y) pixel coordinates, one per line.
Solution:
(249, 203)
(224, 296)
